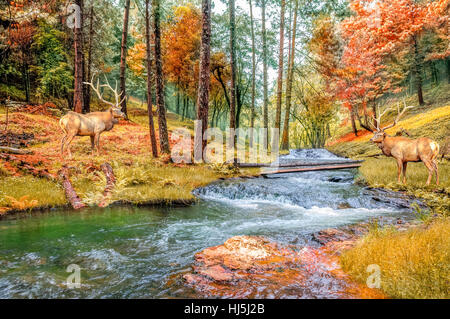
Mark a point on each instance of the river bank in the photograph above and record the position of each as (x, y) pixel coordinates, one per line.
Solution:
(255, 267)
(134, 252)
(415, 262)
(30, 181)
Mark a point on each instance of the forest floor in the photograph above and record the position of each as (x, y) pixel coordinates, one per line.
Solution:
(30, 181)
(413, 263)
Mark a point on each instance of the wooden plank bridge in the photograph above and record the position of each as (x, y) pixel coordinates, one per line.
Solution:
(303, 166)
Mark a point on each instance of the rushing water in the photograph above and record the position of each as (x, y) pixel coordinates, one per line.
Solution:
(131, 252)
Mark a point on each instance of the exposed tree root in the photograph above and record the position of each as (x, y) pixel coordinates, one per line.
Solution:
(110, 183)
(71, 194)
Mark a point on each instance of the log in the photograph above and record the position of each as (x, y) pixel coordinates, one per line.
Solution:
(13, 150)
(110, 183)
(296, 163)
(71, 194)
(315, 168)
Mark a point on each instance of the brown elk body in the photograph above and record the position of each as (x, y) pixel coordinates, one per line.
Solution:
(406, 150)
(91, 124)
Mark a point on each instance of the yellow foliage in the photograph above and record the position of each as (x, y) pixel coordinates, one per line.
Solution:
(22, 203)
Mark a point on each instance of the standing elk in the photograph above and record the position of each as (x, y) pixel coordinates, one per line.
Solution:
(406, 150)
(91, 124)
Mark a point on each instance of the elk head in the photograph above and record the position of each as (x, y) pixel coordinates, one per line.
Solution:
(379, 133)
(115, 108)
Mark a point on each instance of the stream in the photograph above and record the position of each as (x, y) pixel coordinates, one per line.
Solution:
(132, 252)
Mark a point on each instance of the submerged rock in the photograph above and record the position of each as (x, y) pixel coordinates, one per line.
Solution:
(254, 267)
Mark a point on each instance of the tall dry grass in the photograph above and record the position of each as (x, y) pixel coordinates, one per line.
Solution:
(413, 264)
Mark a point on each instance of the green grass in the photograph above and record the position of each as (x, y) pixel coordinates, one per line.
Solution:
(382, 172)
(413, 263)
(150, 182)
(47, 193)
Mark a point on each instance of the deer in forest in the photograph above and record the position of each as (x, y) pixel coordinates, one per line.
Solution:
(404, 149)
(91, 124)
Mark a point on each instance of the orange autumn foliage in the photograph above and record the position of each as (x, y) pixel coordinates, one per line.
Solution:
(181, 47)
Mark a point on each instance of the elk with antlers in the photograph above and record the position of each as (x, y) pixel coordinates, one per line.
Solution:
(91, 124)
(406, 150)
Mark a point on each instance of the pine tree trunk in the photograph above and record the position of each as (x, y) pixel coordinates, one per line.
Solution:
(123, 58)
(87, 96)
(178, 98)
(448, 69)
(417, 71)
(252, 109)
(285, 138)
(159, 81)
(26, 81)
(149, 81)
(280, 67)
(83, 59)
(78, 44)
(204, 78)
(265, 86)
(233, 66)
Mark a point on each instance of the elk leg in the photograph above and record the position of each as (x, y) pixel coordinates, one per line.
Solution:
(63, 140)
(92, 144)
(399, 170)
(68, 141)
(430, 168)
(405, 164)
(97, 141)
(436, 169)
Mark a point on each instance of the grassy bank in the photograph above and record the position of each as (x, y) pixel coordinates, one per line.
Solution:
(140, 178)
(413, 263)
(382, 171)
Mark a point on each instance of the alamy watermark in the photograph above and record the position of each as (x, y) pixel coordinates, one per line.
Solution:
(74, 279)
(243, 145)
(374, 279)
(74, 16)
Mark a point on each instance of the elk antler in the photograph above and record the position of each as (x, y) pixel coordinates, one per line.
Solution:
(380, 115)
(116, 95)
(377, 120)
(97, 90)
(400, 114)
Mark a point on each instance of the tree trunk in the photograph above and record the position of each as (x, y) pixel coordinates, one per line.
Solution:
(352, 118)
(280, 67)
(239, 102)
(448, 69)
(184, 108)
(265, 88)
(123, 58)
(417, 71)
(252, 108)
(285, 138)
(149, 81)
(233, 66)
(233, 79)
(160, 102)
(87, 95)
(178, 98)
(204, 79)
(26, 81)
(78, 44)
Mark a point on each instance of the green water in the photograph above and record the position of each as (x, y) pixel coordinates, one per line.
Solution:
(131, 252)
